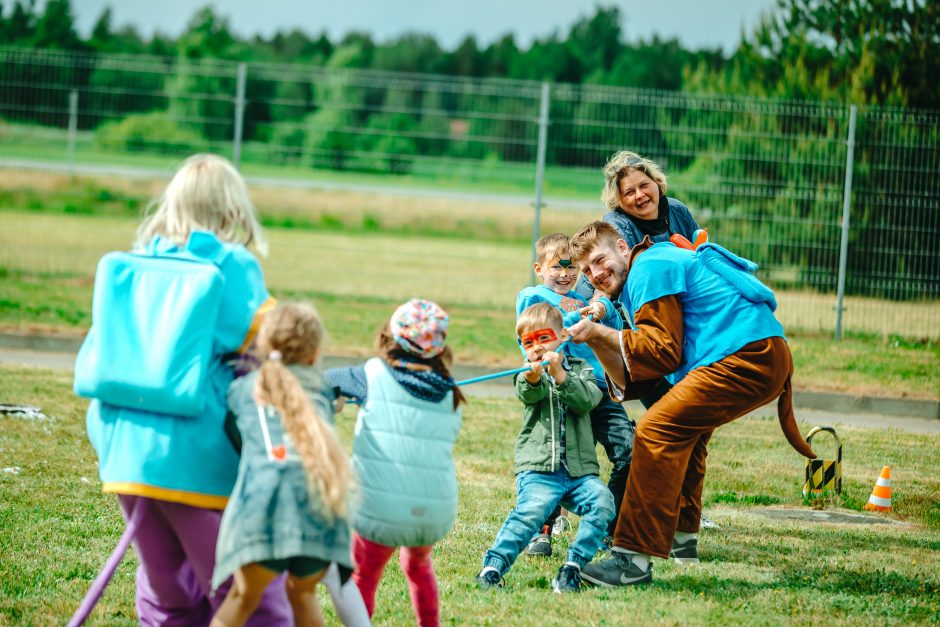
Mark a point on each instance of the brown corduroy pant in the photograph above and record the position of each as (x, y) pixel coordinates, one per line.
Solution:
(664, 487)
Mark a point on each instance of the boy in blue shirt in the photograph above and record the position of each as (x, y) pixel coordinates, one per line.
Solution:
(609, 421)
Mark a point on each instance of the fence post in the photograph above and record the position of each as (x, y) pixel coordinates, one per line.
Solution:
(539, 173)
(239, 113)
(846, 212)
(73, 127)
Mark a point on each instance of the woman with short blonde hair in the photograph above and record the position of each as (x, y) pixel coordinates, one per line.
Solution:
(634, 192)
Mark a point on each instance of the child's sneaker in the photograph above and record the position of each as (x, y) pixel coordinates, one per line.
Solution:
(685, 552)
(489, 579)
(567, 580)
(540, 546)
(562, 524)
(616, 570)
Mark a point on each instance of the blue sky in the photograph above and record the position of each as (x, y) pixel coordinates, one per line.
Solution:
(696, 23)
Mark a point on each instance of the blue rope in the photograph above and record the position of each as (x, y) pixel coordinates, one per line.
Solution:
(496, 375)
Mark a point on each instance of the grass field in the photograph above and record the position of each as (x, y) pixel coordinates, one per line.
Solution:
(358, 255)
(57, 529)
(362, 255)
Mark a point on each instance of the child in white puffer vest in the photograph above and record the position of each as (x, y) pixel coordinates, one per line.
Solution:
(403, 452)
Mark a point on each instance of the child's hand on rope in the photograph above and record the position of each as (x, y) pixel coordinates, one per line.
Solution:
(534, 375)
(339, 403)
(594, 311)
(554, 366)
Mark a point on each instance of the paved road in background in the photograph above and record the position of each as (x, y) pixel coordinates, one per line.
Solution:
(502, 388)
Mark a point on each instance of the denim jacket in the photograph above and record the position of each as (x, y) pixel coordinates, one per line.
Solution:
(273, 512)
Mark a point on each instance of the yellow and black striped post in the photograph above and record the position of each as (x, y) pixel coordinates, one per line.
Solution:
(823, 476)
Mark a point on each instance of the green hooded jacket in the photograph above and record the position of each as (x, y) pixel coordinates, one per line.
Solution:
(538, 446)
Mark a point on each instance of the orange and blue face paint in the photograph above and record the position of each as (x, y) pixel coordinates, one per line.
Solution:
(540, 336)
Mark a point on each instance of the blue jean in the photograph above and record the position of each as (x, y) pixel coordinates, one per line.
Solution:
(614, 431)
(537, 494)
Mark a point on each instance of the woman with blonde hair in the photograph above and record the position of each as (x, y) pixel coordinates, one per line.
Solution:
(634, 192)
(157, 363)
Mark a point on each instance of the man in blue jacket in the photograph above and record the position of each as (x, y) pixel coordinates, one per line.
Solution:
(702, 319)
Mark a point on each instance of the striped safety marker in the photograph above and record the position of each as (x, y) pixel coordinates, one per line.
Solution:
(880, 499)
(823, 477)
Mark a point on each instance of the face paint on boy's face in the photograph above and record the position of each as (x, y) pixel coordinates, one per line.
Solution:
(559, 275)
(537, 343)
(538, 337)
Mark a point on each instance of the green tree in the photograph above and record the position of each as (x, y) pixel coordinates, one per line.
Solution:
(105, 39)
(877, 52)
(20, 27)
(340, 99)
(101, 35)
(656, 64)
(55, 28)
(294, 46)
(596, 41)
(548, 59)
(412, 52)
(197, 89)
(465, 60)
(500, 56)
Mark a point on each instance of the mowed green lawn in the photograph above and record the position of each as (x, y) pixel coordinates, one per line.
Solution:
(57, 530)
(357, 277)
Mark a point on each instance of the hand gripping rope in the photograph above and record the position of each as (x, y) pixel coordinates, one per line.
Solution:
(499, 375)
(486, 377)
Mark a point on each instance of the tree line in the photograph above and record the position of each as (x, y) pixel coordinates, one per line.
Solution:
(878, 52)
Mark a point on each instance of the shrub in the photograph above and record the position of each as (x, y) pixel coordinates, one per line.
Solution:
(149, 132)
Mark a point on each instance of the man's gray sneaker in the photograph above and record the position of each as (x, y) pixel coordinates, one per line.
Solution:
(567, 580)
(616, 570)
(540, 546)
(685, 552)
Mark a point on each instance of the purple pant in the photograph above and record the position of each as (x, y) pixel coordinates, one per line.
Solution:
(176, 549)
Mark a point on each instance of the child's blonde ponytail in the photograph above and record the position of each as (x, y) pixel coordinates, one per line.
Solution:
(292, 334)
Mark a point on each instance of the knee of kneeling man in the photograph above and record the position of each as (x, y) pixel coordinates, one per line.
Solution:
(648, 433)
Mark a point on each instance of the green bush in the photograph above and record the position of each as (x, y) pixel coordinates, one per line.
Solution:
(149, 132)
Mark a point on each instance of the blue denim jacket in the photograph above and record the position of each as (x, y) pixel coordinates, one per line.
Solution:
(273, 513)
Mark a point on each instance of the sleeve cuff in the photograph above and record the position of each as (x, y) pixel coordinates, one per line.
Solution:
(623, 353)
(616, 393)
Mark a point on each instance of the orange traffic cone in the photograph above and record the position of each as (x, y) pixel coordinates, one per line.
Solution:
(880, 499)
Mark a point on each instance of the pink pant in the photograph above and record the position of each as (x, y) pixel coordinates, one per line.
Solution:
(370, 559)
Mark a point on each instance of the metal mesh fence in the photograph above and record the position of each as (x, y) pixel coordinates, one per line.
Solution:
(768, 178)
